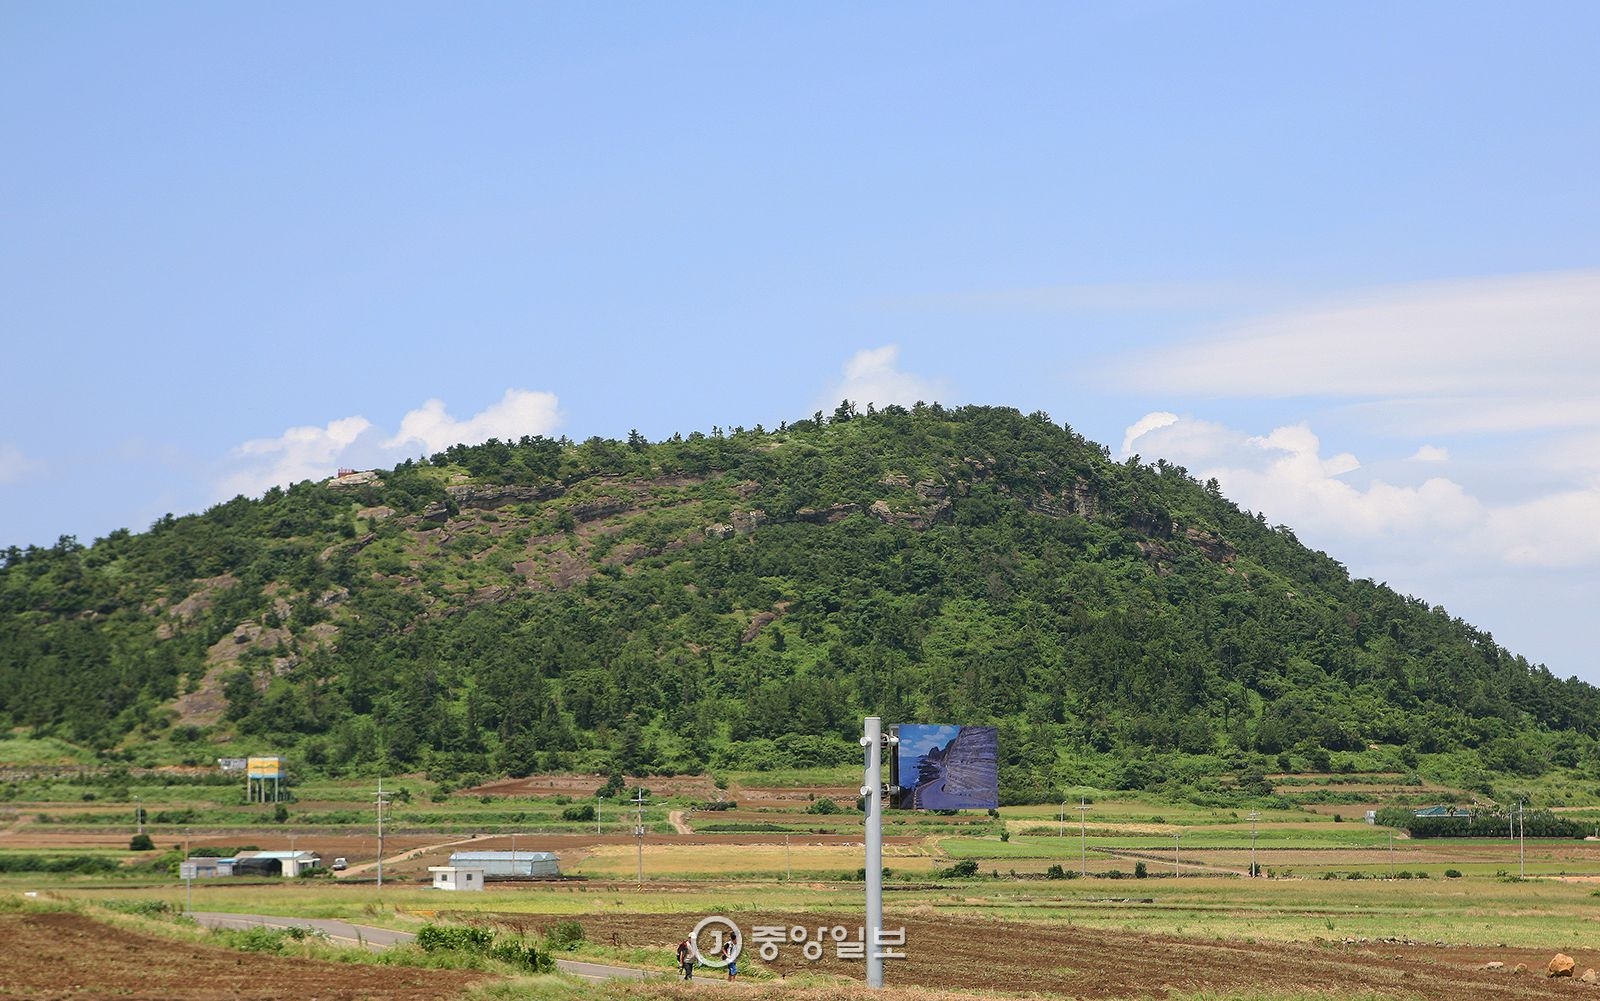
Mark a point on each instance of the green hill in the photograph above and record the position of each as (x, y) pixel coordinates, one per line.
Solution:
(742, 599)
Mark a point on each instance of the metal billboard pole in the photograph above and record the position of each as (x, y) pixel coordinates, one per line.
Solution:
(872, 805)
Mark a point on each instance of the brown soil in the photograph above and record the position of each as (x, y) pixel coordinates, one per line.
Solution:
(50, 956)
(975, 954)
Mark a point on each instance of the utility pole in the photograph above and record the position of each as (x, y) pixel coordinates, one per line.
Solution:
(597, 798)
(1391, 854)
(638, 832)
(138, 813)
(1063, 818)
(187, 868)
(1175, 836)
(788, 859)
(1522, 841)
(1083, 835)
(382, 801)
(872, 744)
(1255, 870)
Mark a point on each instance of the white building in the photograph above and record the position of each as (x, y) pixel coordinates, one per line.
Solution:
(456, 877)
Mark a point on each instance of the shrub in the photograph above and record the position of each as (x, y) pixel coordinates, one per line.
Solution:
(1055, 872)
(1452, 874)
(526, 956)
(1139, 870)
(965, 869)
(143, 908)
(564, 936)
(579, 813)
(453, 938)
(141, 843)
(824, 806)
(261, 939)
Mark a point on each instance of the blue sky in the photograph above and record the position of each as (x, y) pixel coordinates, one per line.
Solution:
(1344, 257)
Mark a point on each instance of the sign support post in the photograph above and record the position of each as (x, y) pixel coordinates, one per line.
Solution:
(872, 806)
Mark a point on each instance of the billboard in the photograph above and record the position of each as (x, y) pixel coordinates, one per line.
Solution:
(264, 768)
(945, 767)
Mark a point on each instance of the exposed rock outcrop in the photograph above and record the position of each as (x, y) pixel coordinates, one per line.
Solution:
(758, 623)
(826, 515)
(346, 480)
(1079, 501)
(599, 507)
(488, 497)
(1214, 547)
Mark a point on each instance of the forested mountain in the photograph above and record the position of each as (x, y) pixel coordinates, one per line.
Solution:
(741, 599)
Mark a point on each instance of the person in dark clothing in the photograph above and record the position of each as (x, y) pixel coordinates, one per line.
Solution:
(686, 958)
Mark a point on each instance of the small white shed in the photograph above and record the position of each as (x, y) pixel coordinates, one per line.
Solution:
(456, 877)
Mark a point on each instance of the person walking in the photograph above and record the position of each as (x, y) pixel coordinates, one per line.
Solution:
(730, 952)
(686, 958)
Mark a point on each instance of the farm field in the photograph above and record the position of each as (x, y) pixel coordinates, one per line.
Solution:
(69, 955)
(1344, 909)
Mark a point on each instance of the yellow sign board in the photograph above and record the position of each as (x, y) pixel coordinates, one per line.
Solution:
(264, 768)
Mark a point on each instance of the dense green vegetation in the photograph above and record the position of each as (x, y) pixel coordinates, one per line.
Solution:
(740, 599)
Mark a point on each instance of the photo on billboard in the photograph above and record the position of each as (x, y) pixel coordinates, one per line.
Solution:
(947, 767)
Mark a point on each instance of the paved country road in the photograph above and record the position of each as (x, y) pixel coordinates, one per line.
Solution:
(379, 939)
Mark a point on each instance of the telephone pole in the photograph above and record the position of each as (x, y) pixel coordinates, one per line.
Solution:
(1083, 835)
(382, 801)
(1255, 870)
(638, 832)
(1522, 841)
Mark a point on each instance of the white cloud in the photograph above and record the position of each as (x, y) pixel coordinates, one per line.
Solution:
(1284, 475)
(872, 376)
(1557, 531)
(1144, 425)
(300, 453)
(1507, 353)
(1431, 453)
(315, 453)
(520, 412)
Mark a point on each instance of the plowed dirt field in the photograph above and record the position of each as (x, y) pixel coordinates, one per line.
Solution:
(58, 956)
(1061, 959)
